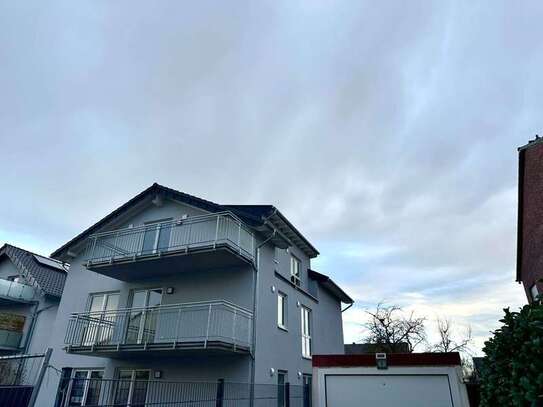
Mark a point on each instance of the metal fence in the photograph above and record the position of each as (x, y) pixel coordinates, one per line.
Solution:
(158, 393)
(20, 378)
(198, 323)
(195, 232)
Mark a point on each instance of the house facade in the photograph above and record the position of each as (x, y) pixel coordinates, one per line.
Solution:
(172, 288)
(30, 290)
(530, 218)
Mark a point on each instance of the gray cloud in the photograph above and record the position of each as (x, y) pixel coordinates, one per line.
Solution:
(386, 129)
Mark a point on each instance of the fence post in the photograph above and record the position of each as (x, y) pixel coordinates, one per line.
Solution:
(39, 380)
(220, 393)
(287, 394)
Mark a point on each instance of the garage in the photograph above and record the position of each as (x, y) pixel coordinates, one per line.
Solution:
(421, 380)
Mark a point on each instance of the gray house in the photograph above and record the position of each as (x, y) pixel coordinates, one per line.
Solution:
(172, 288)
(30, 289)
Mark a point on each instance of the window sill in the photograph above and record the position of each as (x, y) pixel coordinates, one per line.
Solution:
(282, 328)
(307, 357)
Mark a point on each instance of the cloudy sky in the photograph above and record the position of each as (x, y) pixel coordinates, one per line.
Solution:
(386, 131)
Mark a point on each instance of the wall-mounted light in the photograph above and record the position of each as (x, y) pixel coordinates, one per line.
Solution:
(272, 288)
(381, 360)
(299, 375)
(157, 374)
(272, 371)
(298, 304)
(169, 290)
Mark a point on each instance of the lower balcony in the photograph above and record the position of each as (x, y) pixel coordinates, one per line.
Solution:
(202, 326)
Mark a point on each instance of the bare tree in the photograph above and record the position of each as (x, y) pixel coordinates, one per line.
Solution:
(390, 329)
(450, 340)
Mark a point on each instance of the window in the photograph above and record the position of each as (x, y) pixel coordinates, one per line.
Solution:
(85, 387)
(282, 379)
(534, 292)
(295, 266)
(143, 318)
(132, 388)
(306, 382)
(306, 332)
(282, 310)
(156, 237)
(101, 321)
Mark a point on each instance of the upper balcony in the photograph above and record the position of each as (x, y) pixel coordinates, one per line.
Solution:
(211, 325)
(217, 240)
(12, 291)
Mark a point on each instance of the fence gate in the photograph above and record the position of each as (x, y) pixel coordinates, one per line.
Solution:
(21, 377)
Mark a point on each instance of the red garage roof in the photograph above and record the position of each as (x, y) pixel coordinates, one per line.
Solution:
(393, 359)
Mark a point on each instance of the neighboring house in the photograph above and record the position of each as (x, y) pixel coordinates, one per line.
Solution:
(170, 287)
(530, 218)
(361, 348)
(30, 290)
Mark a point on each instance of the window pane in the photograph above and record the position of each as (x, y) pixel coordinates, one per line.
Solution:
(149, 239)
(93, 392)
(164, 237)
(139, 392)
(78, 388)
(123, 387)
(281, 310)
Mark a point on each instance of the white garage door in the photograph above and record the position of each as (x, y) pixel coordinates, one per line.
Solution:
(388, 391)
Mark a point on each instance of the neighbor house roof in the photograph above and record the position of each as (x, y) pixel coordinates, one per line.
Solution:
(253, 215)
(329, 285)
(47, 274)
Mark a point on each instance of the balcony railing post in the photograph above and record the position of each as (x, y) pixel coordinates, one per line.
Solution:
(234, 328)
(239, 237)
(220, 393)
(216, 232)
(287, 394)
(208, 322)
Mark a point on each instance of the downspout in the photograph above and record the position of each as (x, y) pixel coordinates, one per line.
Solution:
(348, 306)
(255, 308)
(34, 317)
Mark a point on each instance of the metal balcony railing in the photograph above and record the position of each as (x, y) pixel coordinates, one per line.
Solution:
(10, 339)
(192, 233)
(198, 325)
(101, 392)
(17, 291)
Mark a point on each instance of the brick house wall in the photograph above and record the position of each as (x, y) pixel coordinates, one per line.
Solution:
(530, 216)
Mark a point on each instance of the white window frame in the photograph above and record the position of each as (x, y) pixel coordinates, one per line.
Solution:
(295, 270)
(282, 313)
(156, 226)
(95, 327)
(305, 322)
(86, 388)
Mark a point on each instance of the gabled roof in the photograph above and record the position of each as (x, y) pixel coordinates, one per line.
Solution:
(329, 285)
(47, 274)
(252, 215)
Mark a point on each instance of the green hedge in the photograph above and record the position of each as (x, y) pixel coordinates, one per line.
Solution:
(512, 373)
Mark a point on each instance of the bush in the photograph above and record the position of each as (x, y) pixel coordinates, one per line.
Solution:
(512, 372)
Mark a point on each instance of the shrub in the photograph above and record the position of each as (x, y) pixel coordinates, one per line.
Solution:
(512, 372)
